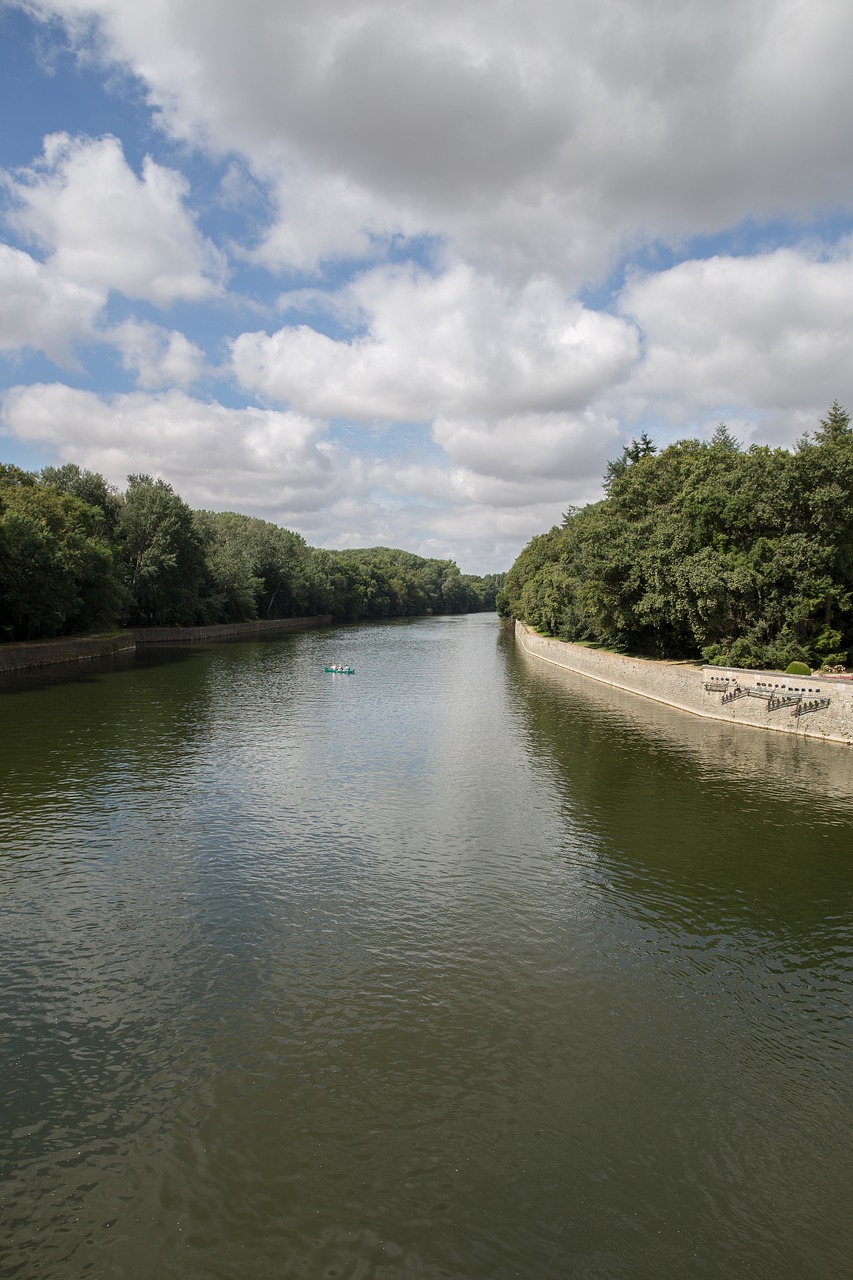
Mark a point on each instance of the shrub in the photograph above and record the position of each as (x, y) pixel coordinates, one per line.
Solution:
(798, 669)
(783, 650)
(746, 653)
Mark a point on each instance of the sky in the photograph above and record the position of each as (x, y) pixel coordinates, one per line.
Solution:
(409, 274)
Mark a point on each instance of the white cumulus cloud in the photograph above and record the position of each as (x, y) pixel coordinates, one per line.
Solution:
(104, 228)
(544, 454)
(323, 216)
(458, 343)
(452, 194)
(243, 459)
(158, 357)
(536, 136)
(41, 309)
(769, 333)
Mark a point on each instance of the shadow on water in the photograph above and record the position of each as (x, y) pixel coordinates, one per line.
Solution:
(729, 825)
(721, 864)
(91, 670)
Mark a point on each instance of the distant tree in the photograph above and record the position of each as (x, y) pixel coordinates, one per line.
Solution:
(75, 555)
(632, 453)
(390, 583)
(723, 439)
(257, 568)
(234, 586)
(11, 475)
(835, 427)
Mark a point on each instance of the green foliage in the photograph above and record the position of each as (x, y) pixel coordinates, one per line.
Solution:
(834, 662)
(77, 555)
(256, 569)
(835, 427)
(798, 669)
(745, 557)
(12, 476)
(163, 555)
(90, 487)
(58, 573)
(382, 582)
(631, 454)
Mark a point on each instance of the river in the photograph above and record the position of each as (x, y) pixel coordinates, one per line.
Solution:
(458, 968)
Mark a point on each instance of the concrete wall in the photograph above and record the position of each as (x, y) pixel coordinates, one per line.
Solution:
(683, 685)
(227, 631)
(44, 653)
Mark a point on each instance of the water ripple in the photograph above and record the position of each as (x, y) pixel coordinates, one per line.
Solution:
(440, 971)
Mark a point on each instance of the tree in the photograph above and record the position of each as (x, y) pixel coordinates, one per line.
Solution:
(58, 574)
(723, 439)
(746, 556)
(75, 554)
(835, 427)
(234, 586)
(632, 453)
(163, 554)
(89, 486)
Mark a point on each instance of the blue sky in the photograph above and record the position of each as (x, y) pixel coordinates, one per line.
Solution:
(406, 274)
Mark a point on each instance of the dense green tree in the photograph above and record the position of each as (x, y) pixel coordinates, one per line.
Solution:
(256, 568)
(631, 454)
(744, 556)
(89, 486)
(234, 586)
(58, 574)
(163, 554)
(75, 554)
(389, 583)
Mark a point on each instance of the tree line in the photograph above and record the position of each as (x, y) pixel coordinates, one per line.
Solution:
(77, 555)
(705, 550)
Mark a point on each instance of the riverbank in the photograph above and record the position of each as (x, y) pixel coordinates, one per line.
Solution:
(44, 653)
(808, 707)
(228, 630)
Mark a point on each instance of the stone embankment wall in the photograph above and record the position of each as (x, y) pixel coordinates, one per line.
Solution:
(44, 653)
(762, 699)
(227, 631)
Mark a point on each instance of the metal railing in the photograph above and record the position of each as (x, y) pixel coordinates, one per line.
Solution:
(810, 704)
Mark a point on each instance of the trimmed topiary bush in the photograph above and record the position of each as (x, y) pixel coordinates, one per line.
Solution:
(797, 669)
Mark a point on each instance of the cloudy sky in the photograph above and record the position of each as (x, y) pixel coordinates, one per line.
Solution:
(407, 273)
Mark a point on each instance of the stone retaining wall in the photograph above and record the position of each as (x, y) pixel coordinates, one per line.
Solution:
(683, 685)
(228, 630)
(44, 653)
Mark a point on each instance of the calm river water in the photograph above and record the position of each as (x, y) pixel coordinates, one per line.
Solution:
(455, 968)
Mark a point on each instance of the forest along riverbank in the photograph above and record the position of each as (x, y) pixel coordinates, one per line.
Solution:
(813, 707)
(45, 653)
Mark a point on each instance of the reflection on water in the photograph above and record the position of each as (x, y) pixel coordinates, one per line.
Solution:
(459, 967)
